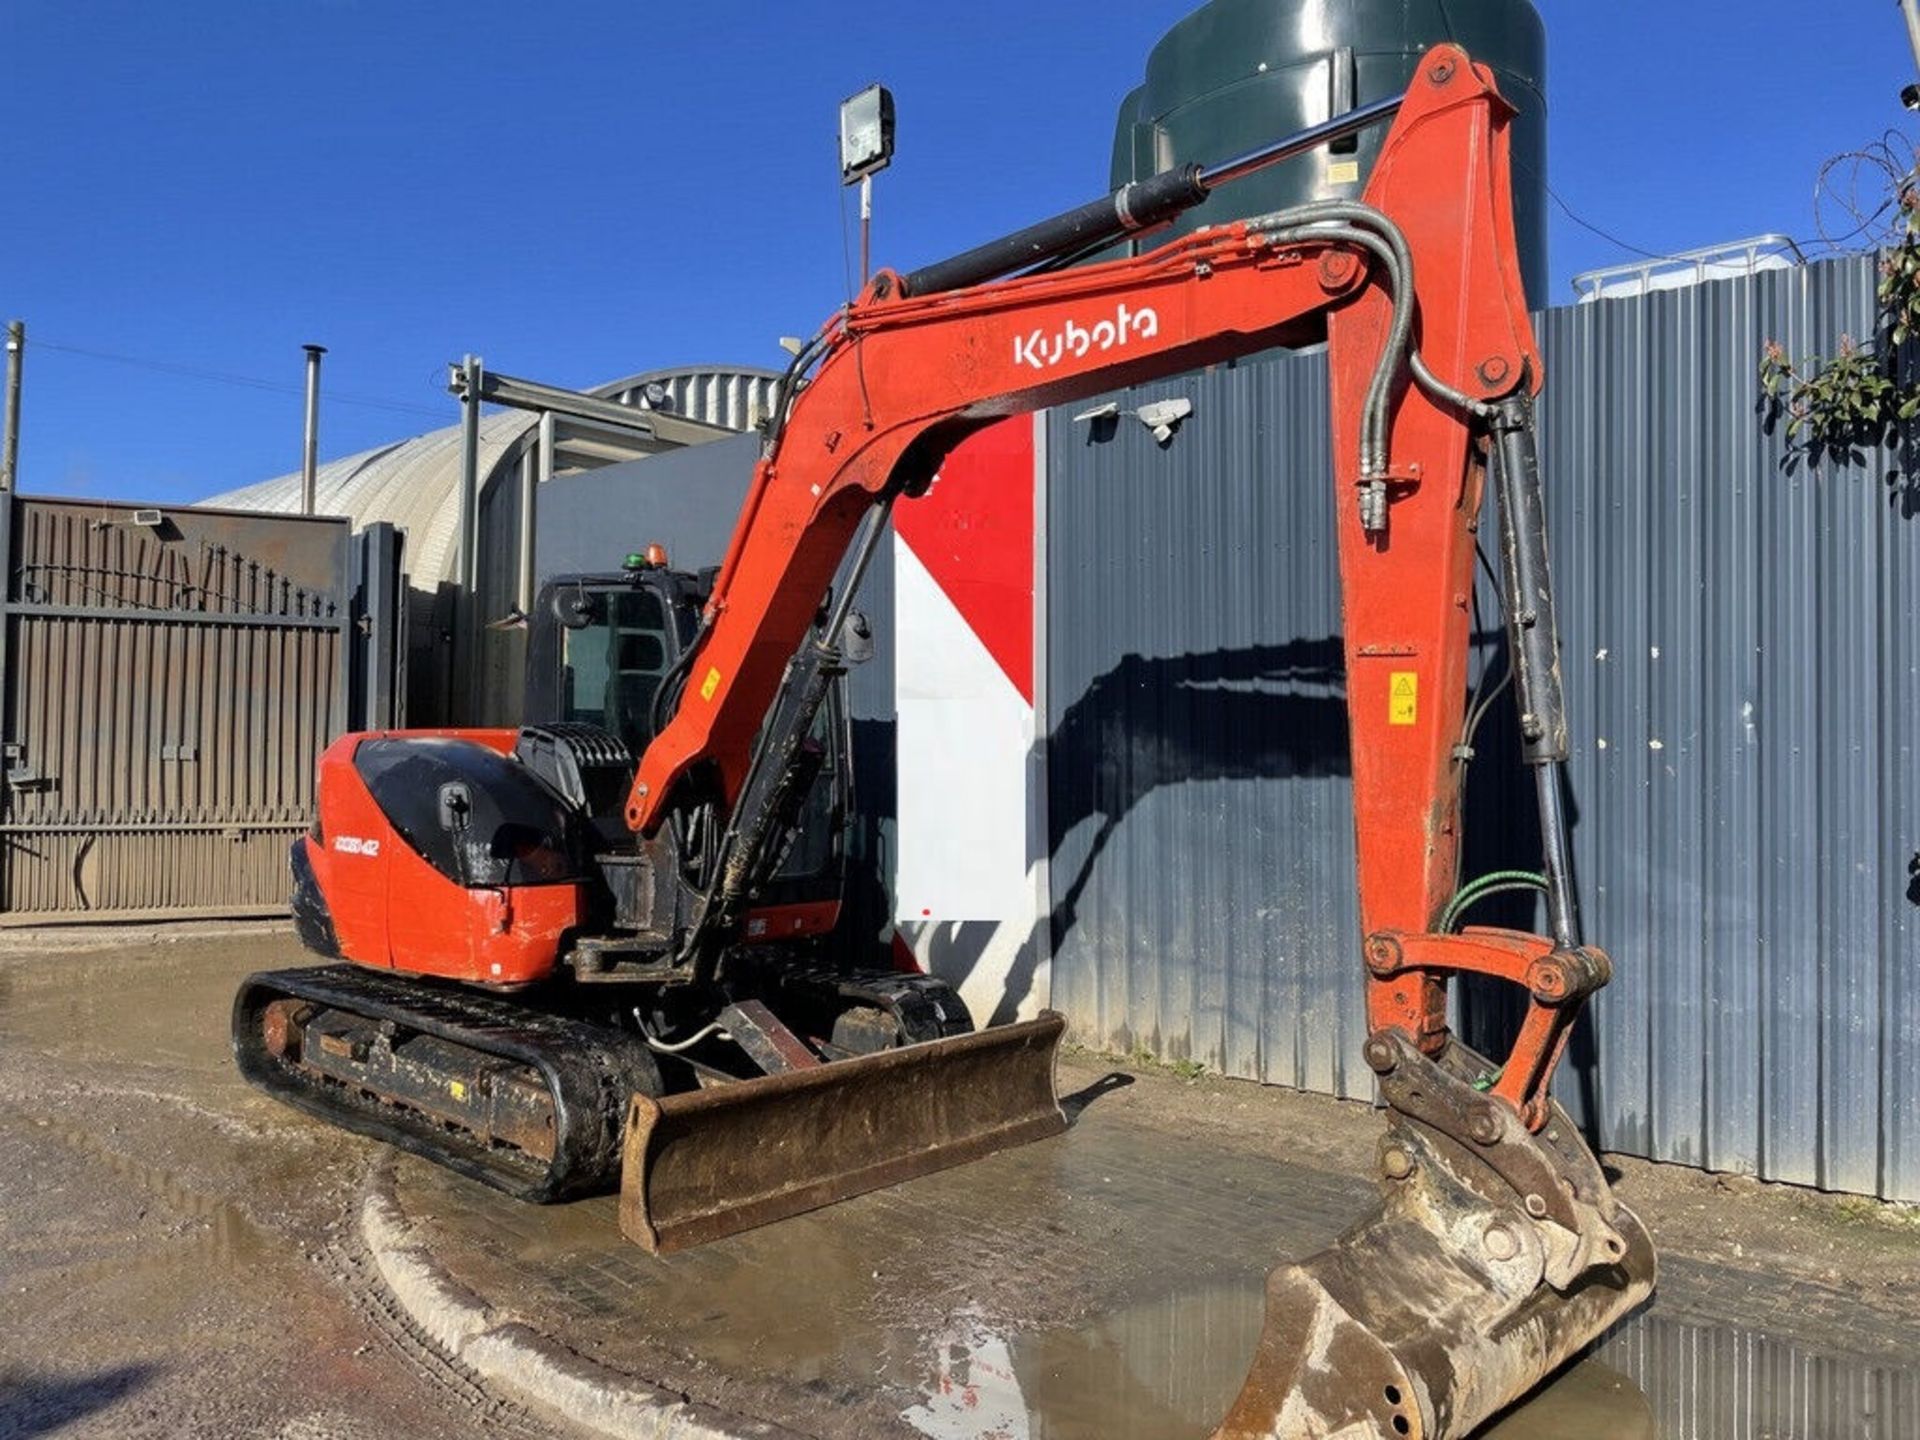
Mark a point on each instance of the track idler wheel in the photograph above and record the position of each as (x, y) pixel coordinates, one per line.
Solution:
(1496, 1256)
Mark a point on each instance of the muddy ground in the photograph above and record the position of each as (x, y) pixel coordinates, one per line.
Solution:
(178, 1255)
(180, 1259)
(1107, 1285)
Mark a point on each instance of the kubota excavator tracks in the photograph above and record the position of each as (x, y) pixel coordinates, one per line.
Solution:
(530, 1103)
(538, 1104)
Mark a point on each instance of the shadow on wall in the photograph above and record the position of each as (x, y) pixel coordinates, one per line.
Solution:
(1146, 723)
(1266, 712)
(1261, 712)
(866, 902)
(1149, 722)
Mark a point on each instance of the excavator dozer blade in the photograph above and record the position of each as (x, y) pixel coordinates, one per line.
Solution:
(711, 1163)
(1456, 1297)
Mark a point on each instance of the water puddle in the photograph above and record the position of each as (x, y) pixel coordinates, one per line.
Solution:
(227, 1239)
(1164, 1370)
(1086, 1289)
(166, 1011)
(1168, 1370)
(1088, 1292)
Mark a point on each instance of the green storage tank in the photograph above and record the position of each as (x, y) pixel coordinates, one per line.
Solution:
(1237, 73)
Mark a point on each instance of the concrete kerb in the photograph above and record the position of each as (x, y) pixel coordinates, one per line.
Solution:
(508, 1354)
(75, 935)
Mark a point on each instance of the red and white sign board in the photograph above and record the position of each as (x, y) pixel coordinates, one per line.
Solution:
(966, 879)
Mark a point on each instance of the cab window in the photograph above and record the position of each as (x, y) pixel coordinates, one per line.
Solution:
(612, 667)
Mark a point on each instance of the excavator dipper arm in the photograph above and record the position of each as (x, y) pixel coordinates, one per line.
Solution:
(1499, 1249)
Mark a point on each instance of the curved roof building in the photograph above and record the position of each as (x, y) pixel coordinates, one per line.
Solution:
(415, 484)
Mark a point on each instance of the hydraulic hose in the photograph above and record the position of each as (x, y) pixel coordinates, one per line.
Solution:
(1497, 883)
(1375, 419)
(666, 691)
(792, 380)
(680, 1047)
(1399, 267)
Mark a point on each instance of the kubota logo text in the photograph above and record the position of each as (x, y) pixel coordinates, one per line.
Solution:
(1074, 340)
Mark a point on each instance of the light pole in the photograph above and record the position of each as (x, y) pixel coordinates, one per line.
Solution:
(866, 146)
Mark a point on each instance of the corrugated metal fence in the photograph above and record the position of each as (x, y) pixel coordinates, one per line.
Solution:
(170, 677)
(1743, 667)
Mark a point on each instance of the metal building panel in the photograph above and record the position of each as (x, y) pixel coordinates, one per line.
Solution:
(1742, 670)
(730, 395)
(1197, 759)
(1737, 644)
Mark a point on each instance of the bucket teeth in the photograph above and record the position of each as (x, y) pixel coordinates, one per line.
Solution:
(1446, 1305)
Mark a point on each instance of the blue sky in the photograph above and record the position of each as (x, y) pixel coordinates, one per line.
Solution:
(579, 191)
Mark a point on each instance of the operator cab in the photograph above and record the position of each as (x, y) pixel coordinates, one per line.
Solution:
(600, 645)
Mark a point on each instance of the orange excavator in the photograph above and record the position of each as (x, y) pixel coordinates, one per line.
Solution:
(545, 980)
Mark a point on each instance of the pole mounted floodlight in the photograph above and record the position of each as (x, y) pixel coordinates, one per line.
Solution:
(866, 133)
(866, 146)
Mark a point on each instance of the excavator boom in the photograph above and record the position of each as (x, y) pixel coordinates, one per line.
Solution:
(1499, 1248)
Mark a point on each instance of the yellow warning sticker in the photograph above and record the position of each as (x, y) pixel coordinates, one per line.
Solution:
(457, 1089)
(1343, 172)
(1403, 698)
(711, 683)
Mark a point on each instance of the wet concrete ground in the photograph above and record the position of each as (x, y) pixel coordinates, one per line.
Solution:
(1107, 1286)
(178, 1255)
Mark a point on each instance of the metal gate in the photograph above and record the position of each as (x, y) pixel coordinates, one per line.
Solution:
(169, 677)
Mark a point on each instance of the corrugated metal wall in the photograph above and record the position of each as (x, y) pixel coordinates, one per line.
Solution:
(721, 395)
(1201, 841)
(1743, 669)
(167, 687)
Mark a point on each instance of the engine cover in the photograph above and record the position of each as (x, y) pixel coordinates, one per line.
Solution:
(437, 853)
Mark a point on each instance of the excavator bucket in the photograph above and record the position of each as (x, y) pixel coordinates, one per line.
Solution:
(710, 1163)
(1496, 1255)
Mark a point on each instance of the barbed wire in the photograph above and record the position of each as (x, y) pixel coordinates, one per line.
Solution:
(1856, 194)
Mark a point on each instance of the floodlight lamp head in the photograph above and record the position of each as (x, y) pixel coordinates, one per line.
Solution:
(866, 133)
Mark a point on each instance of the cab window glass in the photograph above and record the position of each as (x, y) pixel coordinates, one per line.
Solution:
(613, 666)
